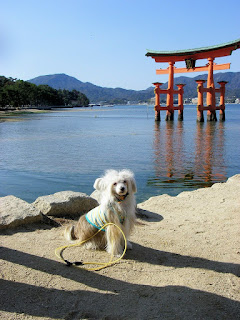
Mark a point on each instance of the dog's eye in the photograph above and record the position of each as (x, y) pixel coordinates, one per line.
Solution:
(115, 183)
(124, 181)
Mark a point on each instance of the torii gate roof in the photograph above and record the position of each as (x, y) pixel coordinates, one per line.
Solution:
(220, 50)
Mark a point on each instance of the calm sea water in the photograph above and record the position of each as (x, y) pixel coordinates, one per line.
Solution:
(68, 149)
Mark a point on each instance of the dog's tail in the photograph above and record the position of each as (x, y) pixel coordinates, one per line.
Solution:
(69, 233)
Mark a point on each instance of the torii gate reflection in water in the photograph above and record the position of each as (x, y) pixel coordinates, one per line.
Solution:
(190, 57)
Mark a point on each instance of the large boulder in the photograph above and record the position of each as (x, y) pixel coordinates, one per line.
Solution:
(65, 203)
(15, 212)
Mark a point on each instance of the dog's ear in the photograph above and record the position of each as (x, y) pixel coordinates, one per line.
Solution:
(134, 186)
(98, 184)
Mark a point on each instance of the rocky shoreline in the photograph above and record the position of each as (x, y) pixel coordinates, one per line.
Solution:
(16, 212)
(185, 262)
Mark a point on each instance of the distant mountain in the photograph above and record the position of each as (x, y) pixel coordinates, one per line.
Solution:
(119, 95)
(232, 87)
(93, 92)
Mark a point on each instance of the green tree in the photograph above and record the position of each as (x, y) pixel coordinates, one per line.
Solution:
(18, 93)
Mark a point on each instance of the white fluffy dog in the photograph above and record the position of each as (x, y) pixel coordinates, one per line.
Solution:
(117, 205)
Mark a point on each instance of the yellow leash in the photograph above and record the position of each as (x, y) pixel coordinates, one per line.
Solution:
(59, 252)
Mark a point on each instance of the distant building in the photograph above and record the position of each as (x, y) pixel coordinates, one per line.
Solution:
(194, 100)
(187, 101)
(152, 100)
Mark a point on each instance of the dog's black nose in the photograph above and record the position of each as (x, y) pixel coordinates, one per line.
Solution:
(122, 189)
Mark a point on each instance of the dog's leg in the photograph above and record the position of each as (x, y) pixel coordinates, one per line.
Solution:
(129, 245)
(127, 233)
(127, 228)
(114, 236)
(114, 243)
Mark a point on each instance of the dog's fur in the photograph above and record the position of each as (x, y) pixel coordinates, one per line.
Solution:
(117, 189)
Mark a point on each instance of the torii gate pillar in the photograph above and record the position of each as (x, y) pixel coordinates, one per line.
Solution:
(211, 101)
(170, 110)
(222, 100)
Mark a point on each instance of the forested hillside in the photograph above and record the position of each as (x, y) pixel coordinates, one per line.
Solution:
(63, 90)
(96, 94)
(18, 93)
(119, 95)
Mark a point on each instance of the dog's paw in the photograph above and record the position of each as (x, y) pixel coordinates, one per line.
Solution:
(129, 245)
(116, 252)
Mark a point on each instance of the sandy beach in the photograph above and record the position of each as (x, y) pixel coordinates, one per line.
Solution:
(184, 265)
(18, 115)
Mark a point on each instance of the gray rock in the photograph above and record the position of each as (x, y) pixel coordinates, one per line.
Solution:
(15, 212)
(65, 203)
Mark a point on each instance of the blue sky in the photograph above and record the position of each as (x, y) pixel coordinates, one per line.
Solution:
(105, 41)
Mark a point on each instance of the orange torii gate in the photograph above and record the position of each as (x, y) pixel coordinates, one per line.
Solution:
(190, 56)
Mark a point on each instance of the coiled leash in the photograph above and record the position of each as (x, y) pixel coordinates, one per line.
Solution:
(59, 252)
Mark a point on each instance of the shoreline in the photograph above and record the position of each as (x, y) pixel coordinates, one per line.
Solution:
(15, 115)
(185, 261)
(65, 196)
